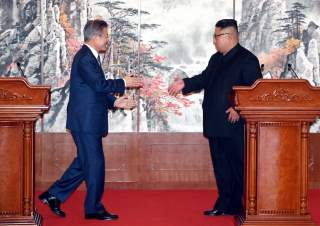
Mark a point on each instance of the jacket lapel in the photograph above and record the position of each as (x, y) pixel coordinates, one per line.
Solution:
(88, 51)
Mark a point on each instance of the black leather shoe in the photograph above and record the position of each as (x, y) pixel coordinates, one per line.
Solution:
(214, 212)
(101, 216)
(53, 203)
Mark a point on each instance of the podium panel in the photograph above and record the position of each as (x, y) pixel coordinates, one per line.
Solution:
(279, 174)
(11, 166)
(278, 115)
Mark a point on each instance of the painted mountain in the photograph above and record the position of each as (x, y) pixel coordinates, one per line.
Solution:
(282, 33)
(172, 42)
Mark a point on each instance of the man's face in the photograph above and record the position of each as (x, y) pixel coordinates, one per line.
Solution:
(221, 39)
(101, 41)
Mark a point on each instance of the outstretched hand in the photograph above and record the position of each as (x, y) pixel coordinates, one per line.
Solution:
(176, 87)
(133, 81)
(125, 102)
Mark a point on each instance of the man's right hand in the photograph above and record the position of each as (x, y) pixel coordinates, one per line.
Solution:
(125, 102)
(176, 87)
(133, 81)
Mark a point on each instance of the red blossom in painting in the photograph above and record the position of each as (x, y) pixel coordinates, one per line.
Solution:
(155, 93)
(158, 58)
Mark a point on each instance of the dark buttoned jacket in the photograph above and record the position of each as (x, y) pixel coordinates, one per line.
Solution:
(238, 67)
(90, 95)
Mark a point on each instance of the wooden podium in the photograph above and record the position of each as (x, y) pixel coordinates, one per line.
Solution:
(20, 106)
(278, 115)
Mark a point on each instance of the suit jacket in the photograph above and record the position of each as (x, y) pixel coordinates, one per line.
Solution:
(90, 94)
(238, 67)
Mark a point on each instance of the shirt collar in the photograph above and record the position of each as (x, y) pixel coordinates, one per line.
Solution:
(94, 52)
(232, 52)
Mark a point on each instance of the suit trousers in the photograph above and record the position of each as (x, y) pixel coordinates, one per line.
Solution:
(227, 155)
(88, 166)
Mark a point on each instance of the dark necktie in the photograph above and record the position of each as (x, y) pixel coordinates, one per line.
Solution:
(98, 58)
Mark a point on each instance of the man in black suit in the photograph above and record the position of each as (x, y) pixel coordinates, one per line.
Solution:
(87, 119)
(232, 65)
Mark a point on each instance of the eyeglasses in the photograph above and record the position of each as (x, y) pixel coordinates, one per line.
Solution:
(218, 35)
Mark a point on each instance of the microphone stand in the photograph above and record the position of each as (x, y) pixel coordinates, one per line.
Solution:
(20, 69)
(293, 72)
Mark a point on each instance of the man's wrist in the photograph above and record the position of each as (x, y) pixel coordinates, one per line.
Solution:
(115, 103)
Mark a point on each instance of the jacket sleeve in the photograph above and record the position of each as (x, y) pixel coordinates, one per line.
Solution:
(92, 75)
(198, 82)
(251, 71)
(110, 100)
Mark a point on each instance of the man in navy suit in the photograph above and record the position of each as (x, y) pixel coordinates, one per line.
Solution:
(87, 119)
(232, 65)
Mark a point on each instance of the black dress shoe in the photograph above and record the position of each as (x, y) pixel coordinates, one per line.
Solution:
(214, 212)
(101, 216)
(53, 203)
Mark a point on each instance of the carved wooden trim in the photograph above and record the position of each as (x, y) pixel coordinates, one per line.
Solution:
(280, 124)
(278, 212)
(281, 95)
(7, 95)
(304, 167)
(6, 213)
(252, 168)
(28, 168)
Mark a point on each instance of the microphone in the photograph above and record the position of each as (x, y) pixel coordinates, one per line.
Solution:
(20, 69)
(293, 72)
(262, 67)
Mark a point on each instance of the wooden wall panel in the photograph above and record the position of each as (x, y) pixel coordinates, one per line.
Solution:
(145, 160)
(171, 160)
(54, 153)
(121, 155)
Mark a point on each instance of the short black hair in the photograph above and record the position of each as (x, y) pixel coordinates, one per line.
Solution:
(93, 28)
(227, 23)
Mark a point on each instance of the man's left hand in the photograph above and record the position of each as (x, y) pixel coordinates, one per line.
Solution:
(233, 115)
(125, 102)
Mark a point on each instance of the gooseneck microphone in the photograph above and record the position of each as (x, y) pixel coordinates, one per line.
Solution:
(292, 71)
(20, 69)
